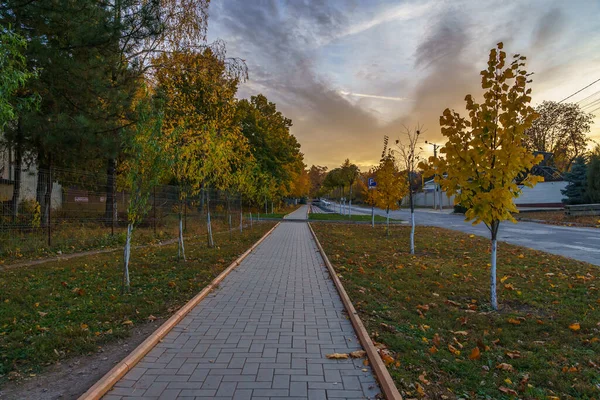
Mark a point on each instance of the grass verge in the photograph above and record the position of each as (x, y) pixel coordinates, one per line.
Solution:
(560, 218)
(431, 312)
(339, 217)
(74, 237)
(52, 311)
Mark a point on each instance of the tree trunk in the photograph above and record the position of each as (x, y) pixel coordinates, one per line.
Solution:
(110, 209)
(412, 222)
(14, 206)
(350, 203)
(181, 247)
(48, 204)
(494, 298)
(44, 185)
(126, 254)
(241, 215)
(373, 216)
(387, 221)
(412, 232)
(209, 235)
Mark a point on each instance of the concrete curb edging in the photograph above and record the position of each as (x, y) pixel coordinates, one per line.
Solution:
(118, 371)
(383, 376)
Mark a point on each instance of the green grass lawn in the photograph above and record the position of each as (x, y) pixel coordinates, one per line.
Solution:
(339, 217)
(432, 312)
(73, 237)
(52, 311)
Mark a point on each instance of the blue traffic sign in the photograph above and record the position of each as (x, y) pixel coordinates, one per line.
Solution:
(372, 182)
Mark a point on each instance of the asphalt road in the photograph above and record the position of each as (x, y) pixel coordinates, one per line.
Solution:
(578, 243)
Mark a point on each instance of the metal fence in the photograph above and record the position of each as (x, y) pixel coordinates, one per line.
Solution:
(63, 211)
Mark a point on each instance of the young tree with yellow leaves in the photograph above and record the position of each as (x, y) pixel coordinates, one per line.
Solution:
(486, 152)
(391, 186)
(144, 166)
(409, 155)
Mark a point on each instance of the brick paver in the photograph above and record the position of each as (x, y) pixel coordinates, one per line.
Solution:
(263, 334)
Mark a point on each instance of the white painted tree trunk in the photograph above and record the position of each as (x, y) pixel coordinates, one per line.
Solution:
(181, 249)
(412, 232)
(494, 297)
(387, 221)
(250, 220)
(126, 254)
(211, 242)
(373, 216)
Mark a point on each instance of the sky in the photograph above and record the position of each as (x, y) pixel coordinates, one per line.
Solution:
(349, 72)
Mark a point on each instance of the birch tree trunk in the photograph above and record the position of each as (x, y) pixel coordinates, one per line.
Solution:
(388, 221)
(373, 216)
(412, 232)
(181, 248)
(126, 254)
(494, 297)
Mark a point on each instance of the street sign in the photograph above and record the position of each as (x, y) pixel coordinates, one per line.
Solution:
(372, 183)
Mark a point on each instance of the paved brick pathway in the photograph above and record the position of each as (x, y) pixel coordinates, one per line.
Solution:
(263, 334)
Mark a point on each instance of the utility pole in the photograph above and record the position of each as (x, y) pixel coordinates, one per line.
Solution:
(437, 186)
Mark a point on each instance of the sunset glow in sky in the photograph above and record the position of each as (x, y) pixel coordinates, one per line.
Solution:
(349, 72)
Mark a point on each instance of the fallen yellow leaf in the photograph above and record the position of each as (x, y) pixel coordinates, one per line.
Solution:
(337, 356)
(358, 354)
(575, 326)
(475, 354)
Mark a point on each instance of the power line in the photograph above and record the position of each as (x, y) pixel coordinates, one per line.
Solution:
(592, 104)
(591, 95)
(580, 90)
(594, 110)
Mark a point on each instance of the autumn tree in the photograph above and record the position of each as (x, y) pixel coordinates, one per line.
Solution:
(316, 175)
(145, 165)
(391, 187)
(370, 193)
(485, 152)
(275, 149)
(409, 156)
(199, 129)
(350, 173)
(561, 129)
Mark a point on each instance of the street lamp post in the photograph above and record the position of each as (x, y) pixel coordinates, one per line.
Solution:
(437, 186)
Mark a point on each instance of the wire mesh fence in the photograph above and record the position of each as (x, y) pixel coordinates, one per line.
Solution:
(63, 211)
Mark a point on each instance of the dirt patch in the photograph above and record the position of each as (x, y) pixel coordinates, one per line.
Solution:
(71, 377)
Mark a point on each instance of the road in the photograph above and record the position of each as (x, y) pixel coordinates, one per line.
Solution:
(581, 244)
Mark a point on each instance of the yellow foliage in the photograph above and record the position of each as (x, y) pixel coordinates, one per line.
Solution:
(485, 153)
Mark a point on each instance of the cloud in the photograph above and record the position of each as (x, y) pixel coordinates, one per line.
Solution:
(301, 52)
(549, 28)
(372, 96)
